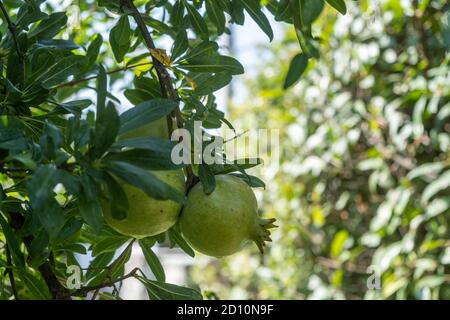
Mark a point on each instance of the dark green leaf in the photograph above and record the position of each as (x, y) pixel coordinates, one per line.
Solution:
(109, 244)
(181, 44)
(13, 243)
(145, 180)
(253, 8)
(166, 291)
(216, 14)
(297, 67)
(49, 27)
(34, 284)
(153, 262)
(213, 63)
(207, 179)
(252, 181)
(107, 127)
(42, 200)
(120, 38)
(118, 199)
(311, 10)
(339, 5)
(94, 49)
(176, 238)
(198, 23)
(145, 113)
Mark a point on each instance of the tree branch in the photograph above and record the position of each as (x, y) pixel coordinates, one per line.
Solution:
(20, 55)
(11, 273)
(84, 291)
(165, 80)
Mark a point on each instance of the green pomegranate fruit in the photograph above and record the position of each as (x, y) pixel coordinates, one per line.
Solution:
(221, 223)
(148, 216)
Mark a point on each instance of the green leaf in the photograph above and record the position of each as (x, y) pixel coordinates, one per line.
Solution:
(42, 200)
(75, 107)
(118, 198)
(197, 22)
(49, 27)
(180, 45)
(240, 165)
(118, 266)
(34, 284)
(94, 49)
(145, 113)
(59, 72)
(120, 38)
(237, 12)
(59, 44)
(216, 14)
(339, 5)
(138, 96)
(297, 67)
(253, 8)
(312, 10)
(109, 244)
(91, 212)
(89, 204)
(146, 159)
(252, 181)
(38, 249)
(156, 145)
(150, 85)
(102, 87)
(166, 291)
(177, 14)
(176, 238)
(207, 179)
(153, 261)
(107, 127)
(13, 243)
(145, 180)
(203, 49)
(207, 83)
(99, 263)
(213, 63)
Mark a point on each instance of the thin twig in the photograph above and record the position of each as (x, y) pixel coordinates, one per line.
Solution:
(11, 273)
(78, 81)
(165, 80)
(20, 55)
(84, 291)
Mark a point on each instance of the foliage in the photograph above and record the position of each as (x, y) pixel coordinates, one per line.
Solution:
(61, 153)
(365, 162)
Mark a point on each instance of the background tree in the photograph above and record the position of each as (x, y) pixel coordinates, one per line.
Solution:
(62, 155)
(365, 173)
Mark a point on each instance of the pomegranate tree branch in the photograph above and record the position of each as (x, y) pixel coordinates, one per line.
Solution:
(164, 77)
(84, 291)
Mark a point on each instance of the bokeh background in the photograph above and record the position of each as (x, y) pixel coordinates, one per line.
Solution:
(363, 189)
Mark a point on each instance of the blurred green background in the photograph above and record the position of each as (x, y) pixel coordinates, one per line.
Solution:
(362, 196)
